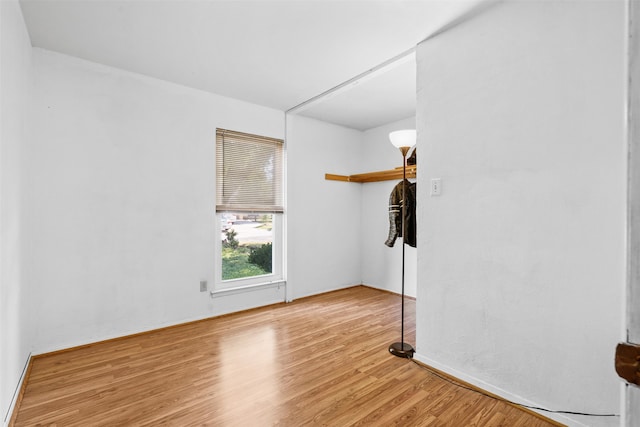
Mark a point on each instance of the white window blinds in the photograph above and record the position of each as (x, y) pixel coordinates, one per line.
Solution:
(249, 172)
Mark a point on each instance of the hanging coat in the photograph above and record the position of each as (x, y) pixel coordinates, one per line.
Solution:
(395, 215)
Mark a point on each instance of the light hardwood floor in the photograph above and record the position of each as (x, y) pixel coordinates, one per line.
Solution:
(321, 360)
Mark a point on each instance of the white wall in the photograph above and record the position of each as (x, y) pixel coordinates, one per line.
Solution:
(324, 227)
(522, 258)
(381, 265)
(631, 409)
(122, 200)
(15, 80)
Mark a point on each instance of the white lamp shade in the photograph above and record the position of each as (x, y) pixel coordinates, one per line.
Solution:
(403, 138)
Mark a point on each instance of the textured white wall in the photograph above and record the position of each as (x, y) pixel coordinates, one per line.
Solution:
(522, 259)
(381, 265)
(324, 217)
(632, 319)
(123, 199)
(15, 80)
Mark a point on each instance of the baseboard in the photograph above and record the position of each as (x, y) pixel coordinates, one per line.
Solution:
(482, 386)
(325, 291)
(387, 291)
(12, 411)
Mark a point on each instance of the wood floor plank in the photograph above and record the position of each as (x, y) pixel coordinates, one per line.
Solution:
(322, 360)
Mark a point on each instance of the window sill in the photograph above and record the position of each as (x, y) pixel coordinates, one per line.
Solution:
(245, 288)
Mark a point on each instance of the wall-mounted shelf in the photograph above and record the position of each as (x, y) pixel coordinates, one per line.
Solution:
(386, 175)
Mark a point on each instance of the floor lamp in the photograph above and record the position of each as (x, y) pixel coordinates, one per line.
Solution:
(404, 140)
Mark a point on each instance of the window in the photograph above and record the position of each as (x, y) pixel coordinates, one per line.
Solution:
(249, 206)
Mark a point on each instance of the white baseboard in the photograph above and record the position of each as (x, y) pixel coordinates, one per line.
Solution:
(571, 422)
(392, 291)
(325, 291)
(16, 393)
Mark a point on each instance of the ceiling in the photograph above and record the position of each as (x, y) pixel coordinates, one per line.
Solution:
(273, 53)
(371, 100)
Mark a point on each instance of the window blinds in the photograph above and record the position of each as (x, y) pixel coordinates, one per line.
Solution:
(248, 172)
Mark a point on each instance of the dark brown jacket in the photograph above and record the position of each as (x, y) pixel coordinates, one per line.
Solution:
(395, 217)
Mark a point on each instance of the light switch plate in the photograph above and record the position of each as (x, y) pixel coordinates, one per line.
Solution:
(436, 186)
(203, 286)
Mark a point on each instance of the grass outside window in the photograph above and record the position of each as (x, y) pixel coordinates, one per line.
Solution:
(236, 265)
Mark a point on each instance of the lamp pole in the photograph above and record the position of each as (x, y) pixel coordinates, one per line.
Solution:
(404, 140)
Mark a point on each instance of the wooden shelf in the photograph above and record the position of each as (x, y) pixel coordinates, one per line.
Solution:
(386, 175)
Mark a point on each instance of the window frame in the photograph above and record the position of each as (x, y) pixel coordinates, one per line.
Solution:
(264, 279)
(278, 233)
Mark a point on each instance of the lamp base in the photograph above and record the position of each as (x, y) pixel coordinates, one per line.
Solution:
(401, 350)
